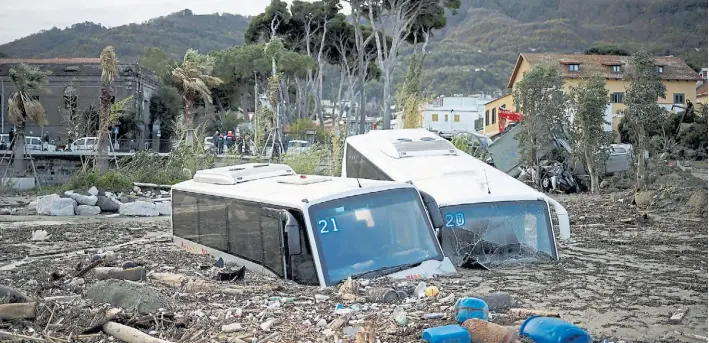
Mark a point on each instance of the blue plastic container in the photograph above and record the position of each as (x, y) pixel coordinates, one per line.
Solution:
(467, 308)
(553, 330)
(446, 334)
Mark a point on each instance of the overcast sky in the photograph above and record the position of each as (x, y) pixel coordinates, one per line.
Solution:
(20, 18)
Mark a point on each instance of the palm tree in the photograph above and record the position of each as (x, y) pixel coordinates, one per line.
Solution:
(108, 74)
(22, 106)
(192, 78)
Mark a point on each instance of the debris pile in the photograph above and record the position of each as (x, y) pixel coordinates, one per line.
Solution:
(94, 202)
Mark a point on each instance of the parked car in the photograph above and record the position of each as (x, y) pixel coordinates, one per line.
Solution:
(84, 144)
(33, 143)
(297, 147)
(209, 144)
(4, 141)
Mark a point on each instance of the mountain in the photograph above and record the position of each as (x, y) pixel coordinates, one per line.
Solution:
(174, 34)
(474, 53)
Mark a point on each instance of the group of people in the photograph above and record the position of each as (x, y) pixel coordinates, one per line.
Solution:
(228, 141)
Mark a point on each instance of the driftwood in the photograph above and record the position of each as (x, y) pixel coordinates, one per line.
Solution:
(14, 336)
(89, 267)
(523, 312)
(63, 298)
(132, 274)
(18, 311)
(129, 334)
(151, 185)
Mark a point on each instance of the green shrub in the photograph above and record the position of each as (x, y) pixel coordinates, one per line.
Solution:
(113, 180)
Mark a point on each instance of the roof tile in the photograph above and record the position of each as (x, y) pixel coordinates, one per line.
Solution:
(674, 68)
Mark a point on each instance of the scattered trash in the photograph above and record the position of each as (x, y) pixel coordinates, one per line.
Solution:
(231, 275)
(431, 291)
(437, 315)
(39, 235)
(399, 316)
(446, 334)
(548, 330)
(485, 332)
(469, 308)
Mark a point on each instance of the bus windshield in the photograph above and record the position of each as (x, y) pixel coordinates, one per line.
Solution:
(372, 232)
(497, 232)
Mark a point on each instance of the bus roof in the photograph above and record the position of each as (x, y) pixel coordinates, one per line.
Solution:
(436, 167)
(278, 184)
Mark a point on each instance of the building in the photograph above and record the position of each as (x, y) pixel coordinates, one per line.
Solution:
(85, 75)
(678, 77)
(448, 115)
(702, 86)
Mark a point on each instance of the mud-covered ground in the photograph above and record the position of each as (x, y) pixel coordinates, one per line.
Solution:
(624, 273)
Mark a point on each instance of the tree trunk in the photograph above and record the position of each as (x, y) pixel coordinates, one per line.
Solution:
(189, 131)
(18, 160)
(641, 178)
(591, 172)
(387, 101)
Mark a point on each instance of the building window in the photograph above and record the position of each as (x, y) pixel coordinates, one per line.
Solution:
(434, 117)
(573, 67)
(494, 116)
(615, 68)
(617, 98)
(445, 118)
(456, 118)
(660, 69)
(679, 98)
(479, 124)
(487, 118)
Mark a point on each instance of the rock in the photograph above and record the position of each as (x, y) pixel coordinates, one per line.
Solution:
(93, 191)
(86, 210)
(644, 199)
(54, 205)
(690, 153)
(69, 193)
(605, 184)
(127, 198)
(698, 201)
(76, 282)
(498, 301)
(88, 200)
(162, 192)
(139, 209)
(652, 178)
(136, 189)
(107, 204)
(232, 328)
(7, 211)
(39, 235)
(128, 295)
(12, 295)
(164, 208)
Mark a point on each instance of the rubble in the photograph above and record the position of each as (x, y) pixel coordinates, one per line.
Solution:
(618, 278)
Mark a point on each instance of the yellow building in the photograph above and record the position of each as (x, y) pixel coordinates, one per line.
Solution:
(678, 77)
(702, 93)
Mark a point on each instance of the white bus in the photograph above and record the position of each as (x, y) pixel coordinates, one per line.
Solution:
(310, 229)
(488, 215)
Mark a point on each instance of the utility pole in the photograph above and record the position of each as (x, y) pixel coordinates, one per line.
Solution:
(2, 104)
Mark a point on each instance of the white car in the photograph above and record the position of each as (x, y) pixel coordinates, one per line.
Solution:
(297, 146)
(84, 144)
(33, 143)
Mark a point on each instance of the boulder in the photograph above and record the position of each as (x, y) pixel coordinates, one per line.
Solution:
(93, 191)
(86, 210)
(698, 201)
(164, 208)
(54, 205)
(690, 153)
(138, 209)
(605, 184)
(107, 204)
(644, 199)
(131, 296)
(88, 200)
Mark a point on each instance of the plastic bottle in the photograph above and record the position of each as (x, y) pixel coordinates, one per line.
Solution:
(548, 330)
(468, 308)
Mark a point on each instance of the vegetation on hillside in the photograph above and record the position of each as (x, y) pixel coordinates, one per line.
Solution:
(474, 52)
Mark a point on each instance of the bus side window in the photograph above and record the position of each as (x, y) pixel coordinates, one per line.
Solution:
(213, 222)
(244, 231)
(271, 242)
(185, 217)
(360, 166)
(302, 267)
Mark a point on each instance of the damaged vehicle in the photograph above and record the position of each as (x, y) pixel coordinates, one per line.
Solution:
(488, 216)
(310, 229)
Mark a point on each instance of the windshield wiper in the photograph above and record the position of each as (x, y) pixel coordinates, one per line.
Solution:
(385, 270)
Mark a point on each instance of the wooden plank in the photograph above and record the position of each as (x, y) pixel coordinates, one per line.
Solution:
(18, 311)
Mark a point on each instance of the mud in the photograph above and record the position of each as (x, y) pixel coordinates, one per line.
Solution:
(621, 276)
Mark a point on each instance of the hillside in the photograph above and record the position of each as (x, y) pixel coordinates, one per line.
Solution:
(174, 34)
(474, 53)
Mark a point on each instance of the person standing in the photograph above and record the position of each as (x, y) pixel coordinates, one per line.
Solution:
(12, 138)
(215, 142)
